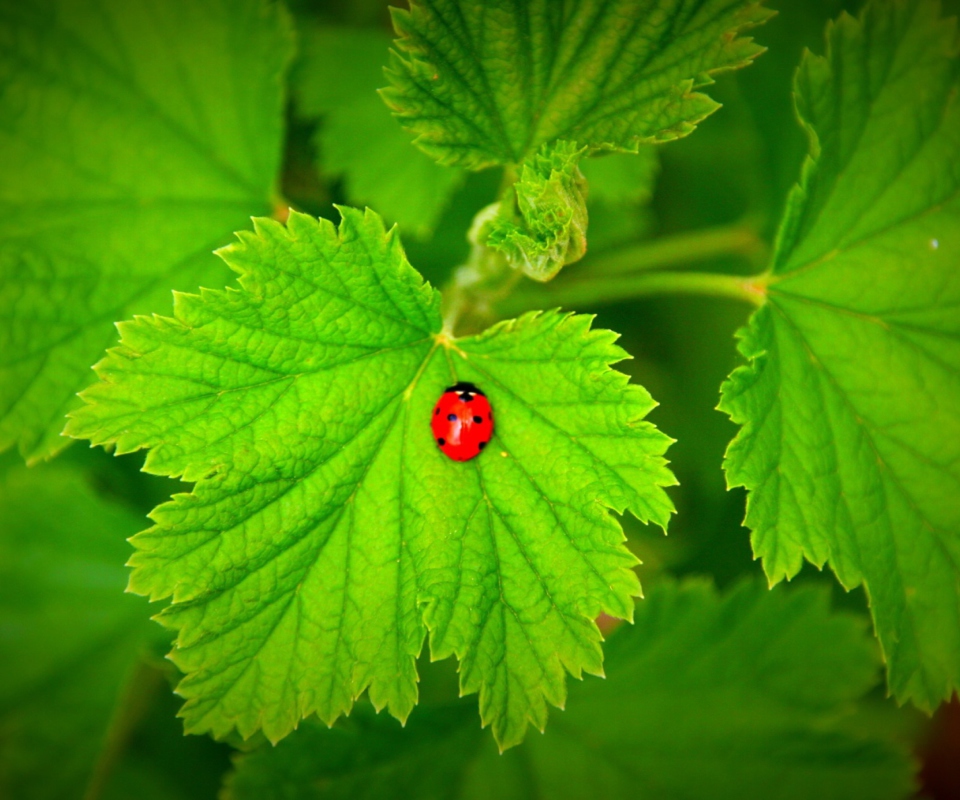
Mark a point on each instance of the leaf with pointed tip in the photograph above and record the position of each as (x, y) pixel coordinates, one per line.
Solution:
(485, 83)
(135, 138)
(327, 533)
(721, 697)
(850, 404)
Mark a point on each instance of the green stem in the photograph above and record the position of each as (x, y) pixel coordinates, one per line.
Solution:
(482, 290)
(134, 701)
(682, 248)
(485, 278)
(590, 292)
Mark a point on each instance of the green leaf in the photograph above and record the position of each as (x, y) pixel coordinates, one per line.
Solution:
(337, 76)
(551, 230)
(135, 139)
(622, 178)
(366, 756)
(484, 83)
(327, 533)
(850, 404)
(713, 697)
(70, 639)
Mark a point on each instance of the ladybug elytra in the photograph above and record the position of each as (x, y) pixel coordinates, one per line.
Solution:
(462, 421)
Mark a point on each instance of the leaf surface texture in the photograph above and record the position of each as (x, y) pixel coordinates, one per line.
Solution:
(326, 532)
(484, 83)
(850, 403)
(134, 139)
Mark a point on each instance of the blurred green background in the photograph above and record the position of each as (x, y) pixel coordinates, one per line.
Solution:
(86, 708)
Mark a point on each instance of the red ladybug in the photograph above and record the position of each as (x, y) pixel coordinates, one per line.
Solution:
(462, 422)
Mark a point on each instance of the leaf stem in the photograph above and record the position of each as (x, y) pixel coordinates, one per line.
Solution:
(702, 245)
(481, 281)
(587, 292)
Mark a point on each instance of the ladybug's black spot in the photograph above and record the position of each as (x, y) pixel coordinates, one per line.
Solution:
(436, 411)
(452, 417)
(441, 441)
(478, 420)
(482, 445)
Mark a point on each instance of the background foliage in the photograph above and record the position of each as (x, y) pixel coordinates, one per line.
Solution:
(136, 141)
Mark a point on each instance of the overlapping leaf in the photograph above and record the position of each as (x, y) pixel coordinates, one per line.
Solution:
(706, 697)
(335, 79)
(850, 405)
(338, 73)
(484, 83)
(70, 640)
(327, 533)
(134, 139)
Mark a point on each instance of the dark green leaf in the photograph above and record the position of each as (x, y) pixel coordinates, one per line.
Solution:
(338, 73)
(70, 640)
(732, 697)
(135, 138)
(484, 83)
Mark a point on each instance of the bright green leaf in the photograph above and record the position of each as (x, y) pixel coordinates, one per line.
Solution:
(550, 230)
(327, 533)
(484, 83)
(70, 639)
(850, 404)
(706, 697)
(134, 139)
(337, 76)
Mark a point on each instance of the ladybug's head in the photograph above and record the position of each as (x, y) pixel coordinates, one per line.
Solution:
(464, 386)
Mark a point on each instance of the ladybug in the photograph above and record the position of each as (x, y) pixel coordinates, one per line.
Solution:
(462, 422)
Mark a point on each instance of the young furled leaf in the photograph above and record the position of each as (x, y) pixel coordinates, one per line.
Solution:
(850, 404)
(327, 532)
(136, 137)
(485, 83)
(70, 641)
(551, 231)
(337, 75)
(720, 697)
